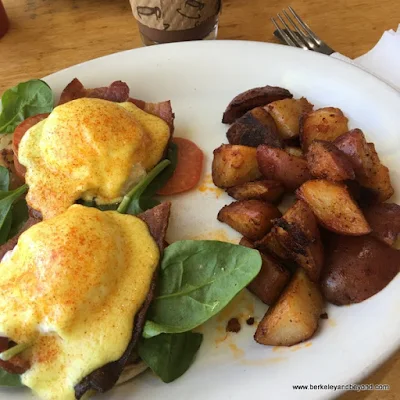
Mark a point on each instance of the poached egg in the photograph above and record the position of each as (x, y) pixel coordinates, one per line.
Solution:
(71, 289)
(89, 149)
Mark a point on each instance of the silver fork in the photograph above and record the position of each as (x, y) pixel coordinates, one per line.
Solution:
(297, 33)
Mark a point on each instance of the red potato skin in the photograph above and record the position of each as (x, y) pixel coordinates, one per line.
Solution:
(256, 97)
(254, 128)
(271, 280)
(326, 161)
(251, 218)
(357, 268)
(277, 164)
(384, 220)
(297, 231)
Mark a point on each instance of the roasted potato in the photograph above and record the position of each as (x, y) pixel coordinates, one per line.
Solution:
(271, 191)
(278, 165)
(270, 244)
(294, 151)
(233, 165)
(354, 145)
(287, 113)
(326, 124)
(334, 207)
(295, 316)
(252, 98)
(369, 171)
(251, 218)
(384, 220)
(254, 128)
(378, 183)
(271, 279)
(247, 243)
(326, 161)
(297, 231)
(357, 268)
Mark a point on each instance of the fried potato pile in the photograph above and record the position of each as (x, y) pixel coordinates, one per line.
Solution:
(336, 243)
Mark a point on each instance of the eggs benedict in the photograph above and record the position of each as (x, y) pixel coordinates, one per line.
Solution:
(75, 290)
(90, 149)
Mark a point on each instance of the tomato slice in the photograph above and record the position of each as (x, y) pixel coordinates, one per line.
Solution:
(18, 134)
(188, 168)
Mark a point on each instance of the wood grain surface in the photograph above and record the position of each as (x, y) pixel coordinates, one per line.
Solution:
(48, 35)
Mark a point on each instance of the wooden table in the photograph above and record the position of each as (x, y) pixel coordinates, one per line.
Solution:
(48, 35)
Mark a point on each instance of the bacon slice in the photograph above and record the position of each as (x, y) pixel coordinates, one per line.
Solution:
(118, 91)
(162, 110)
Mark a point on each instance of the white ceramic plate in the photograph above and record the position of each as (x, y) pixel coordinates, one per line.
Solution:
(201, 78)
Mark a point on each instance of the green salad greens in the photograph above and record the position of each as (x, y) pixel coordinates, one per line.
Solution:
(22, 101)
(13, 212)
(10, 380)
(170, 355)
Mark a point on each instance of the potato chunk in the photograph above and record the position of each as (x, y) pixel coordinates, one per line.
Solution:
(278, 165)
(358, 268)
(252, 98)
(326, 161)
(326, 124)
(271, 279)
(294, 151)
(271, 191)
(378, 183)
(334, 207)
(270, 244)
(287, 113)
(355, 146)
(254, 128)
(297, 231)
(251, 218)
(369, 171)
(233, 165)
(384, 220)
(294, 317)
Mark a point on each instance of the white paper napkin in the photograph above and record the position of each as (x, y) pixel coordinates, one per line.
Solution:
(383, 60)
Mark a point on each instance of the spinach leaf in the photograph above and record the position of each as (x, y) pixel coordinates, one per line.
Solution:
(5, 229)
(137, 191)
(170, 355)
(198, 278)
(22, 101)
(161, 180)
(141, 204)
(20, 215)
(4, 178)
(7, 379)
(6, 203)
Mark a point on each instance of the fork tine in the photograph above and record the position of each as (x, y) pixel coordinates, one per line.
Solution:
(307, 41)
(298, 42)
(283, 34)
(316, 39)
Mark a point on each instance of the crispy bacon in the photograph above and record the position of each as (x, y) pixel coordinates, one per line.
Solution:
(118, 91)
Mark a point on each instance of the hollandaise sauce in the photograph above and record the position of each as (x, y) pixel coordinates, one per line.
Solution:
(71, 289)
(90, 149)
